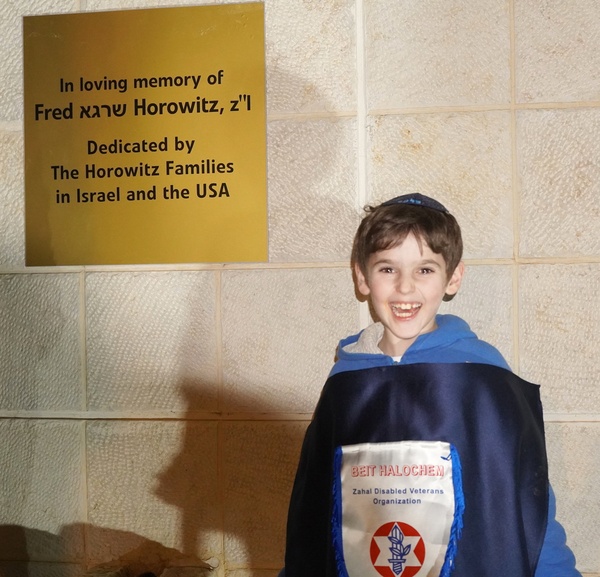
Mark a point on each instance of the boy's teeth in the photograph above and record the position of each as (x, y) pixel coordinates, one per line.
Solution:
(404, 308)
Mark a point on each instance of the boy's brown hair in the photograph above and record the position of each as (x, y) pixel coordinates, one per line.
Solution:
(387, 225)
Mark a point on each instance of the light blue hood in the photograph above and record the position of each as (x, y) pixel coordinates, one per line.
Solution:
(452, 342)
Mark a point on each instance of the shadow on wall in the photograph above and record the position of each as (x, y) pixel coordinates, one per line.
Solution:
(18, 560)
(253, 513)
(256, 463)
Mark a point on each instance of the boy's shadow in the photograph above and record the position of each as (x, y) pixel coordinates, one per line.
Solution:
(189, 482)
(213, 510)
(238, 489)
(241, 515)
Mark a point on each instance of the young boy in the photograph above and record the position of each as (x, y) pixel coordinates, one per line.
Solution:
(425, 452)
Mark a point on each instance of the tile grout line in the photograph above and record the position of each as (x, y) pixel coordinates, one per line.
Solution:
(219, 423)
(206, 417)
(219, 337)
(83, 339)
(361, 102)
(203, 267)
(516, 314)
(84, 423)
(364, 318)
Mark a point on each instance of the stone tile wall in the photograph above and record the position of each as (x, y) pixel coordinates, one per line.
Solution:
(154, 413)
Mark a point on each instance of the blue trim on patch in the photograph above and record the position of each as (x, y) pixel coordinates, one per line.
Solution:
(459, 509)
(336, 517)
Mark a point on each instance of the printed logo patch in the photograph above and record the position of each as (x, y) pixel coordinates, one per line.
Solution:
(397, 508)
(397, 550)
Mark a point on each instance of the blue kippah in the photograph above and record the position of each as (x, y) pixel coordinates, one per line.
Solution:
(417, 199)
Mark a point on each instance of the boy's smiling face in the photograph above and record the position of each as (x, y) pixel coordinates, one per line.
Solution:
(406, 285)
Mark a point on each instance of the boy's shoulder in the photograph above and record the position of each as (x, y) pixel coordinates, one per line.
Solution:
(452, 342)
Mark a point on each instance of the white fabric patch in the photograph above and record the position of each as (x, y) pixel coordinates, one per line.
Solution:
(395, 508)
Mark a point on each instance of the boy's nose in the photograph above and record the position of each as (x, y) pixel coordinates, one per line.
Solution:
(405, 284)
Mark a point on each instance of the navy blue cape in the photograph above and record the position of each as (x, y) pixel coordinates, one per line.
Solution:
(492, 417)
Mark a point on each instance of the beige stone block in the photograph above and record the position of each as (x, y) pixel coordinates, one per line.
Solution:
(312, 189)
(153, 493)
(40, 502)
(437, 53)
(573, 461)
(557, 51)
(151, 340)
(559, 334)
(310, 56)
(485, 301)
(40, 364)
(11, 73)
(560, 182)
(462, 159)
(260, 461)
(12, 218)
(280, 332)
(96, 5)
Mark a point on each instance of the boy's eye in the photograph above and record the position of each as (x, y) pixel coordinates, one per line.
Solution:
(386, 269)
(427, 271)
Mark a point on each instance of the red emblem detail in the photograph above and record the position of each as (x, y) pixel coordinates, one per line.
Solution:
(417, 552)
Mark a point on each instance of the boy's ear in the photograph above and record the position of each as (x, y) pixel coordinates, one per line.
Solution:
(361, 282)
(455, 279)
